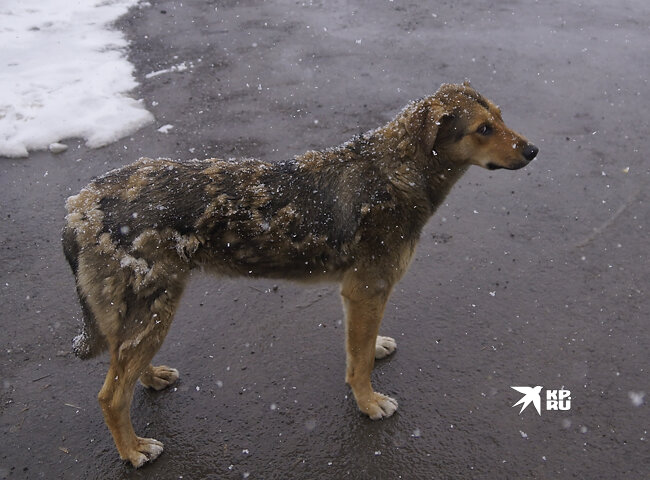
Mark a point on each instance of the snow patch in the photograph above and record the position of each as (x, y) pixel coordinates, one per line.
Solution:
(64, 74)
(57, 147)
(180, 67)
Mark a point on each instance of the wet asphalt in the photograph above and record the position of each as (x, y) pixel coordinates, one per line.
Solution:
(533, 277)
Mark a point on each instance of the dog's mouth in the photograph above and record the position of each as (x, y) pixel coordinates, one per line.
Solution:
(514, 166)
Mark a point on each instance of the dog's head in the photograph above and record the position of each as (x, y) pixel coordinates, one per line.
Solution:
(465, 127)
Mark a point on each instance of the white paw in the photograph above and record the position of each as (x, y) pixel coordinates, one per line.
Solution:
(161, 377)
(384, 346)
(381, 406)
(146, 450)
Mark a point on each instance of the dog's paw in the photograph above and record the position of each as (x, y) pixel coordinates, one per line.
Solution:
(384, 346)
(378, 406)
(146, 450)
(159, 377)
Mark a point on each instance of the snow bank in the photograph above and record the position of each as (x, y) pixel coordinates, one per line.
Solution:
(63, 74)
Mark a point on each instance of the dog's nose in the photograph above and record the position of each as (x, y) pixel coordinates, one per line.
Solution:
(530, 152)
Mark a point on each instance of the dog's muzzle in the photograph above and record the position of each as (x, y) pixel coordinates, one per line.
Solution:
(529, 152)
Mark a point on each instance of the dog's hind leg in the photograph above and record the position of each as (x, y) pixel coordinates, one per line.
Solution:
(130, 360)
(364, 308)
(115, 399)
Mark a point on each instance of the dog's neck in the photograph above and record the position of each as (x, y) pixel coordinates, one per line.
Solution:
(426, 176)
(441, 175)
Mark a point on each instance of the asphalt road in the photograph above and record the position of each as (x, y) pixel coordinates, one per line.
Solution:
(534, 277)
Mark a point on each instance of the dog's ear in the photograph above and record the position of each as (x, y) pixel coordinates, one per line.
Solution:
(422, 120)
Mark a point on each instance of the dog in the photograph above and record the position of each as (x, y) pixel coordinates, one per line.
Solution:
(351, 214)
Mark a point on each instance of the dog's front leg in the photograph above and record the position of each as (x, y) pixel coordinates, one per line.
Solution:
(364, 308)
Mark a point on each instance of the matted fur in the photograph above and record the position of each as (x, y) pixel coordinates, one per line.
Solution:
(351, 214)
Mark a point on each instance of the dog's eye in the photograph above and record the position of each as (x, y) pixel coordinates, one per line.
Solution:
(484, 129)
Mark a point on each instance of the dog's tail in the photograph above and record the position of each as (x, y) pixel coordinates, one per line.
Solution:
(90, 342)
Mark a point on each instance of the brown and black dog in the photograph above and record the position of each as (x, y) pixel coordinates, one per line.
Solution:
(351, 214)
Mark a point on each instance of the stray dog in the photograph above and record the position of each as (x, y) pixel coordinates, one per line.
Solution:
(351, 214)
